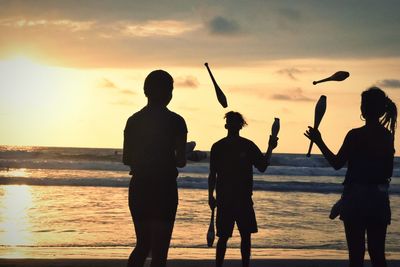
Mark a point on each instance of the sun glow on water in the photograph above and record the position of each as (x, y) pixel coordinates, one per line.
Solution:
(15, 173)
(15, 201)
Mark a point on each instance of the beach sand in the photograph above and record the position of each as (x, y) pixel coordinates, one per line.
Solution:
(178, 257)
(178, 263)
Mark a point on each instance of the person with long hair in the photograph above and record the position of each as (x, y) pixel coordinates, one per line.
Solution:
(369, 152)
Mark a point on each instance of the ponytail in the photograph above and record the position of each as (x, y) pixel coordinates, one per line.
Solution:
(389, 119)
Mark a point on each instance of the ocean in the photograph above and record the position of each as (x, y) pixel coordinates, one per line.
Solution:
(53, 197)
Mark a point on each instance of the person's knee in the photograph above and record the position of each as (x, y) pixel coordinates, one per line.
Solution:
(143, 244)
(376, 254)
(143, 247)
(223, 240)
(245, 237)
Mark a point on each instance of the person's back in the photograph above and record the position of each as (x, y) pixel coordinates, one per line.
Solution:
(154, 145)
(364, 206)
(150, 136)
(370, 155)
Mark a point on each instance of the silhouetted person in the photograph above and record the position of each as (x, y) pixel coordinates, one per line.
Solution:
(368, 152)
(231, 174)
(154, 145)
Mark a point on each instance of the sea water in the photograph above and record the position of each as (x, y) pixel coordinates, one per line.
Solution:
(77, 198)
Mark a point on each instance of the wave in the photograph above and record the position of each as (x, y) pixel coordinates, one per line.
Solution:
(62, 164)
(110, 160)
(200, 168)
(115, 155)
(187, 183)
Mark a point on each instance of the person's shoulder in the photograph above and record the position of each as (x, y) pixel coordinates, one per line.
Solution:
(381, 132)
(387, 135)
(135, 116)
(363, 129)
(246, 141)
(175, 115)
(356, 131)
(219, 143)
(385, 131)
(172, 113)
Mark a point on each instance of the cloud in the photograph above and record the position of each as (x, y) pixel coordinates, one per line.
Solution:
(71, 25)
(123, 103)
(290, 14)
(127, 92)
(389, 83)
(156, 28)
(256, 121)
(221, 25)
(288, 19)
(145, 33)
(189, 108)
(291, 72)
(108, 84)
(292, 95)
(117, 28)
(187, 81)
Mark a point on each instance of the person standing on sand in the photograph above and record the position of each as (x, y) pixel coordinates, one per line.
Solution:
(368, 152)
(154, 146)
(231, 174)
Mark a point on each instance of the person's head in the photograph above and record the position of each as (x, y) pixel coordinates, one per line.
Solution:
(234, 121)
(375, 104)
(158, 87)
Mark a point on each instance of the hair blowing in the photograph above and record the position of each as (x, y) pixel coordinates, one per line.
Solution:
(235, 117)
(377, 104)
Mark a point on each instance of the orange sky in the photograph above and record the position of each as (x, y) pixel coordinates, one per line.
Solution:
(70, 75)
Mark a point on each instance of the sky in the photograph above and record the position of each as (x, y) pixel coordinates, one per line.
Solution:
(72, 72)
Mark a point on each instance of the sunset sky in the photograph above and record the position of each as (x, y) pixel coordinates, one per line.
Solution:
(72, 72)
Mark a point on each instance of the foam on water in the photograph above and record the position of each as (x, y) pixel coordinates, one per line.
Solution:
(103, 167)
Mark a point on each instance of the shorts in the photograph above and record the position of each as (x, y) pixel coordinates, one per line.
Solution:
(242, 213)
(365, 203)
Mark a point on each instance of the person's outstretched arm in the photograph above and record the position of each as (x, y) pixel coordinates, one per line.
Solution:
(336, 161)
(265, 161)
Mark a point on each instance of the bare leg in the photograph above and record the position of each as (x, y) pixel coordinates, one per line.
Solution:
(221, 249)
(355, 236)
(143, 244)
(376, 234)
(161, 237)
(245, 248)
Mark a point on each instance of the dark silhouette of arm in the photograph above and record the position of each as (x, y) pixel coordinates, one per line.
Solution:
(180, 150)
(336, 161)
(264, 162)
(212, 179)
(127, 147)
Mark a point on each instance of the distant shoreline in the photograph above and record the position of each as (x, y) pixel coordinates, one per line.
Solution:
(119, 150)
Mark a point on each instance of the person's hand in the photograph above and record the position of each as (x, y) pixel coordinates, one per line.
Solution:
(314, 135)
(212, 202)
(273, 142)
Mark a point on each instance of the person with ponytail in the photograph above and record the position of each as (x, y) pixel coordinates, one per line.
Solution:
(369, 152)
